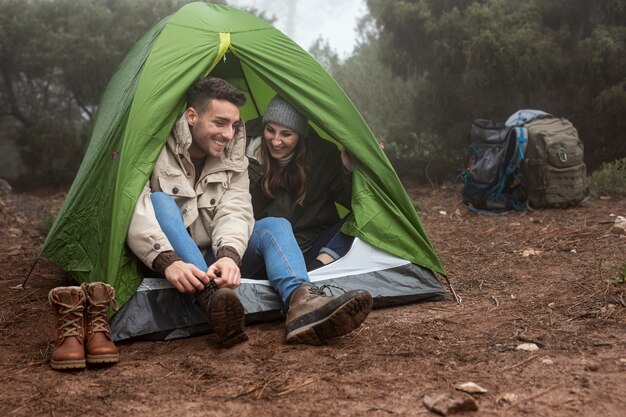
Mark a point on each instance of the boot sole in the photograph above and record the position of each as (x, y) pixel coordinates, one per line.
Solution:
(227, 318)
(339, 317)
(99, 359)
(65, 365)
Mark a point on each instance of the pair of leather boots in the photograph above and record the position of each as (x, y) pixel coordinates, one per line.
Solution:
(82, 334)
(313, 317)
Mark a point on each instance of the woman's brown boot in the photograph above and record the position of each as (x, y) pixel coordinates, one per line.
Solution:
(100, 348)
(69, 330)
(315, 317)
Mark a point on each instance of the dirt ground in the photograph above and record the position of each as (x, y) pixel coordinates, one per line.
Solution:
(548, 277)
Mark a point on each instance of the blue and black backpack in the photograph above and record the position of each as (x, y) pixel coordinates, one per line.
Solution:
(493, 177)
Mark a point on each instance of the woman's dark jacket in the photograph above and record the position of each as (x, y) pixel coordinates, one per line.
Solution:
(328, 182)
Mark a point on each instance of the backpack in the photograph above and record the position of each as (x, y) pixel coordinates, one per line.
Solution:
(524, 116)
(554, 171)
(493, 178)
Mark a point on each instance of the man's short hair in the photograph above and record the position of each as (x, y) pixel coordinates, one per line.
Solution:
(207, 88)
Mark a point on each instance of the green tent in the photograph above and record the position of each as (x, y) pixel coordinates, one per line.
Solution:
(142, 103)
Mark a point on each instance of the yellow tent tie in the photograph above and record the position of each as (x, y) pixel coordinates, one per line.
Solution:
(221, 53)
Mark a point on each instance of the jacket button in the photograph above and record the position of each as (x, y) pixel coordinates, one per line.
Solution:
(212, 201)
(175, 190)
(184, 211)
(157, 246)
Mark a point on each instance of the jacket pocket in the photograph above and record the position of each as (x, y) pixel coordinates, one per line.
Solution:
(211, 191)
(176, 186)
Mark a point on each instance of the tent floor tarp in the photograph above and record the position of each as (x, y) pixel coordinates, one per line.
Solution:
(158, 311)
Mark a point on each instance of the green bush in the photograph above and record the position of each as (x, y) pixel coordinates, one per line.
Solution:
(51, 149)
(609, 179)
(421, 156)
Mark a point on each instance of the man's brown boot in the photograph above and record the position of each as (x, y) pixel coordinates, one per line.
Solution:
(314, 318)
(224, 312)
(69, 330)
(100, 348)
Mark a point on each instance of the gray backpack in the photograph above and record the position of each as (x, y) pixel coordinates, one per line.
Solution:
(553, 168)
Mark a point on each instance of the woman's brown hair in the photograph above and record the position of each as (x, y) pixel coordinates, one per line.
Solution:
(292, 177)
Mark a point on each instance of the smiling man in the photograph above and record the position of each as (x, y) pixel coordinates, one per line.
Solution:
(194, 217)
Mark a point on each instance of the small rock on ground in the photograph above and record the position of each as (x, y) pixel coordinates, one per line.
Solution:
(445, 404)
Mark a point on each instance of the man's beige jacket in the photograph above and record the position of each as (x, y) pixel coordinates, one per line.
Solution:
(217, 211)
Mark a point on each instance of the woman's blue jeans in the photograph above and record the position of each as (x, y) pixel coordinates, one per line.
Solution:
(272, 247)
(332, 242)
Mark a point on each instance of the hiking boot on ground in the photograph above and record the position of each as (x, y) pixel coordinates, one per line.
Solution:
(69, 331)
(314, 317)
(99, 346)
(224, 312)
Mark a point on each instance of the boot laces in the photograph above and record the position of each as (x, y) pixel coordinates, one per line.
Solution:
(98, 317)
(316, 291)
(202, 297)
(99, 321)
(72, 320)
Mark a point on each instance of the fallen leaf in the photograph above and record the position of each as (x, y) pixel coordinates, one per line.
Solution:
(529, 252)
(529, 347)
(471, 388)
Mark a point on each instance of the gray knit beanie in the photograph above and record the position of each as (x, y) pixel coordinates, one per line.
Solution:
(282, 113)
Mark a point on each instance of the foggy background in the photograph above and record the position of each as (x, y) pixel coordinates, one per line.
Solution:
(418, 71)
(305, 21)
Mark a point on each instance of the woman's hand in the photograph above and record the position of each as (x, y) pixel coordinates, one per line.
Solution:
(346, 160)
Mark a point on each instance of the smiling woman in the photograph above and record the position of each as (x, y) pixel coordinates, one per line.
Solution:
(280, 141)
(302, 177)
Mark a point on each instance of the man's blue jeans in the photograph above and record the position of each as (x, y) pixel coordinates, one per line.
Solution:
(272, 247)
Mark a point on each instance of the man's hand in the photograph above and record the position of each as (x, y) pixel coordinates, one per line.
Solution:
(186, 277)
(225, 273)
